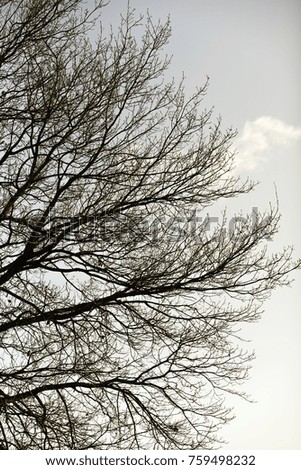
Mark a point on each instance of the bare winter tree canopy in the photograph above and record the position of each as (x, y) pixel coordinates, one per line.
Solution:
(118, 312)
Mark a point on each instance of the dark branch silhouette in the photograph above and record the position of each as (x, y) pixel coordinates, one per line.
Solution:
(118, 315)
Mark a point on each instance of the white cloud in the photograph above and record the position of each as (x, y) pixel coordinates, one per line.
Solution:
(260, 139)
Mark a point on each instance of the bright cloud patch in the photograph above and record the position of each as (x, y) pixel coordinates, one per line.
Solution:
(259, 139)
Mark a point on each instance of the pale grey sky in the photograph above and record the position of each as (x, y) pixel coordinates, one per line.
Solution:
(250, 51)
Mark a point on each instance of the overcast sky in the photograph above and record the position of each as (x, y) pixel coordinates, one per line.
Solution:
(250, 51)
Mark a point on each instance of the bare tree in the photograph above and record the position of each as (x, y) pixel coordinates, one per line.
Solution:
(118, 311)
